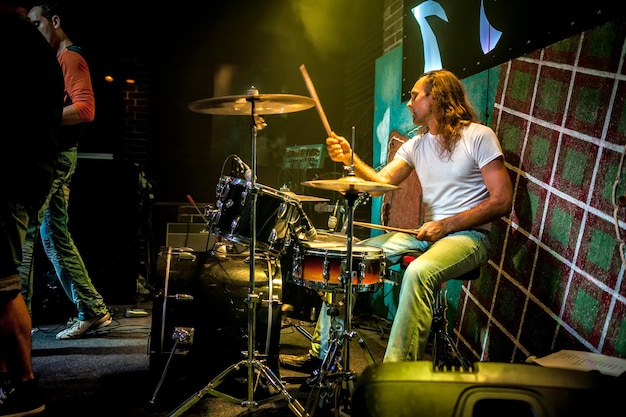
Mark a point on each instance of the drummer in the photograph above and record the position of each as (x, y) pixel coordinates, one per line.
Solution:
(465, 186)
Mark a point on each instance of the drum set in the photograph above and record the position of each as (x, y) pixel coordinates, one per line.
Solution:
(269, 224)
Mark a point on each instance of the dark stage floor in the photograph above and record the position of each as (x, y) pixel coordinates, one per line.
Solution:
(118, 370)
(122, 371)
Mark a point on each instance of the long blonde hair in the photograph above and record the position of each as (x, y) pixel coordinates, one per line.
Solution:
(450, 107)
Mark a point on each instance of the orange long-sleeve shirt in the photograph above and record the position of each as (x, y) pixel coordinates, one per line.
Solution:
(78, 87)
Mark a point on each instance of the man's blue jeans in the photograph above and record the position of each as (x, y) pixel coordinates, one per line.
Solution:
(59, 246)
(447, 258)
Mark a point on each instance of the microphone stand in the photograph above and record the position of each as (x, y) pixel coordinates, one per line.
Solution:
(253, 365)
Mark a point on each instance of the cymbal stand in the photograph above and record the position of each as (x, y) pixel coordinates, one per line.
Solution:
(334, 381)
(255, 367)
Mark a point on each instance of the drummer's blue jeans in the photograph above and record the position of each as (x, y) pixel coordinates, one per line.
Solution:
(52, 224)
(447, 258)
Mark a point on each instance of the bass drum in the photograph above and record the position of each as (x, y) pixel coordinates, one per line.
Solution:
(201, 306)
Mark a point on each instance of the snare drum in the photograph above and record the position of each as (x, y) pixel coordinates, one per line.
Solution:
(232, 219)
(322, 265)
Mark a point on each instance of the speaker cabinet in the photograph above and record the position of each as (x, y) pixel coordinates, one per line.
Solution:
(492, 389)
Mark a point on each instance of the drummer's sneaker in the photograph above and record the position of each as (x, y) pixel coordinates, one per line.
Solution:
(302, 363)
(80, 327)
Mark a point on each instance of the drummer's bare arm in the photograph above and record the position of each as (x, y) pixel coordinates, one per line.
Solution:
(394, 172)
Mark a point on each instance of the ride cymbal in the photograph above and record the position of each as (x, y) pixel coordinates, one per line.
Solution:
(351, 184)
(241, 105)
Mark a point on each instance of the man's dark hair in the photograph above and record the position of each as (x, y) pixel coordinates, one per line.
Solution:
(48, 9)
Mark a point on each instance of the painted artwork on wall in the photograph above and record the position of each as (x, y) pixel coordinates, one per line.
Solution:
(468, 37)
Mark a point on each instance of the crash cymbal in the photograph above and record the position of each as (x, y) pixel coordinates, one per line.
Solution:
(304, 198)
(351, 184)
(263, 104)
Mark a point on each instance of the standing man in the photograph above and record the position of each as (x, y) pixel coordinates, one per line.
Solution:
(79, 109)
(465, 186)
(31, 103)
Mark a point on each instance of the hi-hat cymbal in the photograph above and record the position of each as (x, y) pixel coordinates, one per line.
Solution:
(351, 184)
(304, 198)
(264, 104)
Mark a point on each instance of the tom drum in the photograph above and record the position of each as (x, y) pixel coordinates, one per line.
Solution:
(233, 217)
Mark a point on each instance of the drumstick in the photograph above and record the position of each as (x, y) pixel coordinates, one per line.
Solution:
(318, 105)
(388, 228)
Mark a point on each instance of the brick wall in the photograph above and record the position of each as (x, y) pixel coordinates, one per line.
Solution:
(392, 24)
(135, 136)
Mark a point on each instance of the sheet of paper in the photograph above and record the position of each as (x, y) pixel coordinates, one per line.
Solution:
(582, 361)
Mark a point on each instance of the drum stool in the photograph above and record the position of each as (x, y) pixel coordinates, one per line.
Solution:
(445, 353)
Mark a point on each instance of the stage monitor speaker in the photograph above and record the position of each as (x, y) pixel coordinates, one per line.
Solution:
(402, 389)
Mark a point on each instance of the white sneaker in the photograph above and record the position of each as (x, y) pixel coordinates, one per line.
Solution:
(81, 327)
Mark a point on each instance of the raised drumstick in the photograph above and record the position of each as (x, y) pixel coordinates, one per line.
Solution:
(313, 93)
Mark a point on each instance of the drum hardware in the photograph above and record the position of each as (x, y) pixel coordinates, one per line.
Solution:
(332, 384)
(166, 286)
(445, 353)
(310, 233)
(181, 335)
(335, 381)
(254, 104)
(244, 168)
(332, 219)
(195, 206)
(304, 332)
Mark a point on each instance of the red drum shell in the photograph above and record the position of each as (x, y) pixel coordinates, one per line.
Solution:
(320, 265)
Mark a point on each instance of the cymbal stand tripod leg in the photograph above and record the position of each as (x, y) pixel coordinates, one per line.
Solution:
(254, 366)
(327, 381)
(334, 382)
